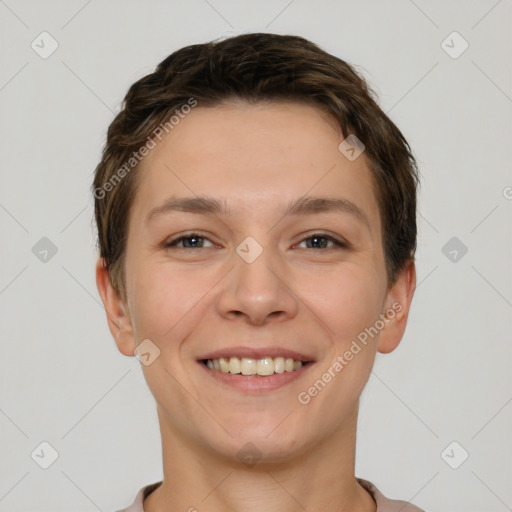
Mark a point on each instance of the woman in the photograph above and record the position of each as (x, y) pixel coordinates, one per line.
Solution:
(256, 216)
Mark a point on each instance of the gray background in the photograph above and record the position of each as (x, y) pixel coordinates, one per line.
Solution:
(63, 380)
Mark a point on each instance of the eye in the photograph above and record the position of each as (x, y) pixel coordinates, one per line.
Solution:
(194, 241)
(318, 242)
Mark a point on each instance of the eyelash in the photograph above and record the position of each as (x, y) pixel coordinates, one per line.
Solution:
(339, 244)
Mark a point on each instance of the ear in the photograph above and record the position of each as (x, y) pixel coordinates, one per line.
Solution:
(396, 309)
(118, 317)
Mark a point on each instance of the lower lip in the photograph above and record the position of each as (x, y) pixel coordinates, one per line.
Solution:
(256, 383)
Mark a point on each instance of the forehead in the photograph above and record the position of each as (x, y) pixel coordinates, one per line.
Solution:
(253, 157)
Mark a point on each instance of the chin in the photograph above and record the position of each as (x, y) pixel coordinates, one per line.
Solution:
(250, 446)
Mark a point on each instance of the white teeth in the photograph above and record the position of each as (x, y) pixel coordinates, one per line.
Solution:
(279, 364)
(248, 366)
(265, 366)
(234, 365)
(224, 365)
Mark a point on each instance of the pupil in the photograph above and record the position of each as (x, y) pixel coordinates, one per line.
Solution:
(316, 238)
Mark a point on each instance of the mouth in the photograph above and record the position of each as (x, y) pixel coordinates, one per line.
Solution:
(259, 370)
(262, 367)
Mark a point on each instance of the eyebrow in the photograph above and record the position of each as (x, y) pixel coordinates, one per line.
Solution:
(305, 205)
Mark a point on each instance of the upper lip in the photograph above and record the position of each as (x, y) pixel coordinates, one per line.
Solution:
(257, 353)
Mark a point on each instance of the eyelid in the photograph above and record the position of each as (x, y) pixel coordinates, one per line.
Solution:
(340, 244)
(171, 243)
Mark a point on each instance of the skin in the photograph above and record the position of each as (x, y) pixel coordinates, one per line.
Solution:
(190, 301)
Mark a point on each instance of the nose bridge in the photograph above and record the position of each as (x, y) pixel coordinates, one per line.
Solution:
(253, 266)
(256, 289)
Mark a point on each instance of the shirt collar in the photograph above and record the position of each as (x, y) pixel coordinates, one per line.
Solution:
(383, 504)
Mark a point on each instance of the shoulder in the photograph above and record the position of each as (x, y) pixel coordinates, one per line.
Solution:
(383, 504)
(386, 504)
(137, 505)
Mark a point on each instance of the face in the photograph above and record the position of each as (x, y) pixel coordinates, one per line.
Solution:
(289, 266)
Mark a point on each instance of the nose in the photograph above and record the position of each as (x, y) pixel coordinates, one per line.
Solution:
(258, 292)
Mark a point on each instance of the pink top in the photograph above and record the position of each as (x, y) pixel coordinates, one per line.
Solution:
(383, 504)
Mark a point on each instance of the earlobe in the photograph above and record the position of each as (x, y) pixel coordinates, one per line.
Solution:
(396, 309)
(118, 317)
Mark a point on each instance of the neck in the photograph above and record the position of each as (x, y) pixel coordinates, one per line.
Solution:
(320, 479)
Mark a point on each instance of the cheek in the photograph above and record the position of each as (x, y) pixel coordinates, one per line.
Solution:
(347, 300)
(165, 300)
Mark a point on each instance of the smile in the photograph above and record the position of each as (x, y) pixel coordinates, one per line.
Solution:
(254, 370)
(249, 366)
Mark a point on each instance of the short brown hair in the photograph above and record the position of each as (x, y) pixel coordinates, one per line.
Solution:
(256, 67)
